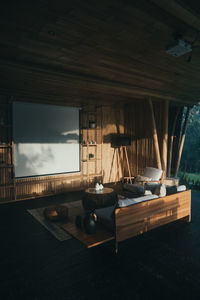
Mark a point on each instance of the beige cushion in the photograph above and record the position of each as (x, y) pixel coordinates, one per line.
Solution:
(153, 173)
(142, 178)
(160, 190)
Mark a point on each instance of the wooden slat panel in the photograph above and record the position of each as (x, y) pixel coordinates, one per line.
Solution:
(112, 122)
(142, 217)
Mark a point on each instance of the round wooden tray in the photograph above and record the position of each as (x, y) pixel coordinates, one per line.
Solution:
(56, 212)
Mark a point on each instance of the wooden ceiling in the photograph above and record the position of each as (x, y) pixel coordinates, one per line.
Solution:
(98, 51)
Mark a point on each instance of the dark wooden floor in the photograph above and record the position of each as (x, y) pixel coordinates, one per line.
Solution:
(162, 264)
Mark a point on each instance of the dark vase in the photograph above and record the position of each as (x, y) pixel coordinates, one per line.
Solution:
(90, 223)
(92, 124)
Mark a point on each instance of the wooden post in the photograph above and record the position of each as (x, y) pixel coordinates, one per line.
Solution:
(182, 142)
(127, 162)
(171, 143)
(155, 136)
(177, 139)
(119, 162)
(165, 138)
(122, 157)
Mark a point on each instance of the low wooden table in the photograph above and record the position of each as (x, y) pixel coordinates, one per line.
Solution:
(100, 237)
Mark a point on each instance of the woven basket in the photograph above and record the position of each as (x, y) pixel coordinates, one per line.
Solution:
(56, 212)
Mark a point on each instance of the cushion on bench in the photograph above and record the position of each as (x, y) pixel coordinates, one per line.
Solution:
(124, 202)
(153, 173)
(175, 189)
(134, 188)
(106, 215)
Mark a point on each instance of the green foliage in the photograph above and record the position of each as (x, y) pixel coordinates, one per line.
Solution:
(190, 161)
(191, 180)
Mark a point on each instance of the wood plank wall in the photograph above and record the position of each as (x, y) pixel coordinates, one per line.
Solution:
(139, 126)
(132, 119)
(112, 121)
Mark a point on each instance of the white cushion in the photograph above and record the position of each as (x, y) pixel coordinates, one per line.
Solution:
(181, 188)
(123, 202)
(153, 173)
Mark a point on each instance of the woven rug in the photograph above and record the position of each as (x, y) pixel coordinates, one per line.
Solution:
(55, 227)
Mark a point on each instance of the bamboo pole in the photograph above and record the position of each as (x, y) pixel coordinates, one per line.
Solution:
(182, 142)
(155, 136)
(165, 138)
(171, 143)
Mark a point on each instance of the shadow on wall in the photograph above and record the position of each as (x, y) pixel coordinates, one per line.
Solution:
(52, 138)
(26, 165)
(40, 123)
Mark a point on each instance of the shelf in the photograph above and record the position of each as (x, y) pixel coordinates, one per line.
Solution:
(88, 160)
(94, 159)
(90, 156)
(87, 128)
(89, 112)
(5, 146)
(89, 145)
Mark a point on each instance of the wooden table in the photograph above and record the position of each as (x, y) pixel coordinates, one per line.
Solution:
(93, 199)
(100, 237)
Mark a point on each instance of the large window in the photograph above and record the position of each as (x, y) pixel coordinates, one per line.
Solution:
(46, 139)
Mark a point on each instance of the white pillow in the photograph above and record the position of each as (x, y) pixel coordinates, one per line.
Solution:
(153, 173)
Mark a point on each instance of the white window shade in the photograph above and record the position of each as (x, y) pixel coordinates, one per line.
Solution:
(46, 139)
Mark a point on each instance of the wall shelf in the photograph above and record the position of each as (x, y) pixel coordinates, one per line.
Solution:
(5, 146)
(90, 160)
(90, 167)
(89, 145)
(88, 128)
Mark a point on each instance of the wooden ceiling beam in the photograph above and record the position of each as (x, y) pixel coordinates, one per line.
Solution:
(109, 48)
(180, 12)
(32, 77)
